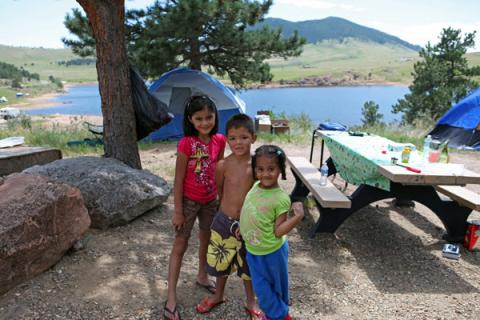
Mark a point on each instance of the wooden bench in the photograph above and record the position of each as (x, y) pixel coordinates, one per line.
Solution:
(328, 196)
(462, 195)
(330, 201)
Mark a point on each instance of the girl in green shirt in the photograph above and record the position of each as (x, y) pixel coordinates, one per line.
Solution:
(263, 226)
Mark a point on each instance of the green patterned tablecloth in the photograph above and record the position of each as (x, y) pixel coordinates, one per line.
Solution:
(357, 158)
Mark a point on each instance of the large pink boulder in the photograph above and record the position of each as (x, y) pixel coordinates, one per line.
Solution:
(40, 219)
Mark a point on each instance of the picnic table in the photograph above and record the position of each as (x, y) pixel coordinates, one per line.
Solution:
(365, 161)
(16, 159)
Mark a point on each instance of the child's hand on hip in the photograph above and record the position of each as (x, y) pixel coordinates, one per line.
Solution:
(297, 208)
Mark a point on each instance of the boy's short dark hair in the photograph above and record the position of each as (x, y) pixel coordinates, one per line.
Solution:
(240, 120)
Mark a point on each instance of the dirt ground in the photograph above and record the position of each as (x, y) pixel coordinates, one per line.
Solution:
(383, 263)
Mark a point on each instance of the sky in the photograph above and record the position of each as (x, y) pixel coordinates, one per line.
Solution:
(39, 23)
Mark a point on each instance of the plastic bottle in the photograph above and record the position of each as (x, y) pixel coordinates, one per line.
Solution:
(324, 174)
(426, 148)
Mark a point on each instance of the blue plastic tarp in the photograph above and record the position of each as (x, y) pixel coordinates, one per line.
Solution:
(465, 114)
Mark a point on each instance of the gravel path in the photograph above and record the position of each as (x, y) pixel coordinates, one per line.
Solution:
(383, 263)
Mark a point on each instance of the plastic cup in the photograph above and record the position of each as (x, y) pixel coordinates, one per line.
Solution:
(433, 156)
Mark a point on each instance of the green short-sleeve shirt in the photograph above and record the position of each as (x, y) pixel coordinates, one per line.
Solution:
(260, 210)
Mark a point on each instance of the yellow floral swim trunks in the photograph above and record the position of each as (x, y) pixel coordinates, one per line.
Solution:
(226, 254)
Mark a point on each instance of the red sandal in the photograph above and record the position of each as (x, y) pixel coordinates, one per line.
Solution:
(253, 314)
(206, 306)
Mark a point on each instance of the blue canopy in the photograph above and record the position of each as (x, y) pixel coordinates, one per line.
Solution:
(461, 124)
(176, 86)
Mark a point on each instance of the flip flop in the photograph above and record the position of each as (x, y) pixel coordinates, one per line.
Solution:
(206, 306)
(253, 314)
(209, 287)
(171, 314)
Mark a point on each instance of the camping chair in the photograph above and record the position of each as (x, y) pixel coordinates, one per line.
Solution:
(96, 130)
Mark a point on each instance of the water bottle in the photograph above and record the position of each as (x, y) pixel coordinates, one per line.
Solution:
(426, 148)
(324, 174)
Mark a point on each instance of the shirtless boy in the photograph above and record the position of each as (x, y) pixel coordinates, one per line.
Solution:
(226, 251)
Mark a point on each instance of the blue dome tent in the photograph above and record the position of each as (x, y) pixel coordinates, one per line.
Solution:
(176, 86)
(461, 124)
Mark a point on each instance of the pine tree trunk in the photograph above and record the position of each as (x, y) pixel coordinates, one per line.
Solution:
(119, 133)
(195, 62)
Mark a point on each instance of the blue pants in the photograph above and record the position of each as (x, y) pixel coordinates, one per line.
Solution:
(270, 281)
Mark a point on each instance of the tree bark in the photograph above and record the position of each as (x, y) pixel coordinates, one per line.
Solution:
(195, 60)
(119, 133)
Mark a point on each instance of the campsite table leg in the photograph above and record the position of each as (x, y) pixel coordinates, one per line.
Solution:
(300, 191)
(453, 216)
(311, 146)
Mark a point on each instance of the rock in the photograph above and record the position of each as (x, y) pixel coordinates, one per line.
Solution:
(40, 221)
(114, 193)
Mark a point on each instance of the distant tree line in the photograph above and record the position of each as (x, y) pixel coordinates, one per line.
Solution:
(9, 71)
(77, 62)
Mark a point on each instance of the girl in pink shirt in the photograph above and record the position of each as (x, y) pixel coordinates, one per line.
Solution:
(195, 191)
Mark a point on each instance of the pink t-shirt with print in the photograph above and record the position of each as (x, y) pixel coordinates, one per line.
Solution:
(199, 182)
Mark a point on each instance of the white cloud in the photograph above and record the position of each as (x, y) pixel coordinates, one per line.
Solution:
(318, 4)
(376, 24)
(308, 3)
(422, 33)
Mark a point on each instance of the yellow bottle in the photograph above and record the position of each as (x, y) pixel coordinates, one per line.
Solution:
(406, 154)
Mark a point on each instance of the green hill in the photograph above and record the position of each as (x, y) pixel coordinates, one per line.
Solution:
(45, 63)
(333, 28)
(350, 59)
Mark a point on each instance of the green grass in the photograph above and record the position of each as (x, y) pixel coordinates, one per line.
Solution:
(384, 63)
(8, 93)
(41, 133)
(44, 62)
(474, 60)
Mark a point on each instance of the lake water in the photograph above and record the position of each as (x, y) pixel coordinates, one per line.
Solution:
(339, 104)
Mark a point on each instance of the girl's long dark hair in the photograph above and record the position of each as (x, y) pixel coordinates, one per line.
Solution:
(272, 151)
(195, 104)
